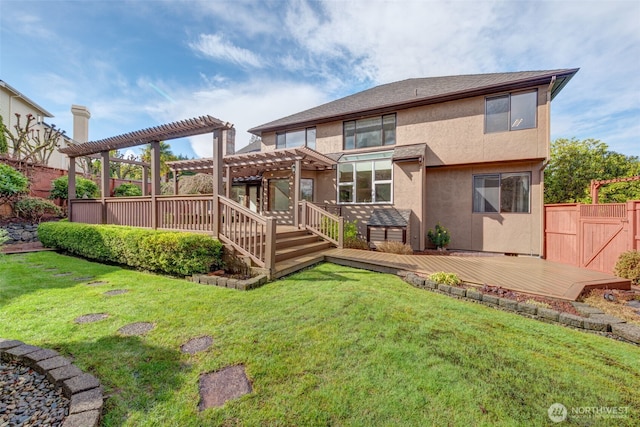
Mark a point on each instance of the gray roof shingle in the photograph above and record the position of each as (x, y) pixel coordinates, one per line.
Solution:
(418, 91)
(389, 217)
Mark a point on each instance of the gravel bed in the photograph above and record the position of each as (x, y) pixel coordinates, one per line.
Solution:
(28, 398)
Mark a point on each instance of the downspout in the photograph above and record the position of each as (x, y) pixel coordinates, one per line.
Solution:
(543, 222)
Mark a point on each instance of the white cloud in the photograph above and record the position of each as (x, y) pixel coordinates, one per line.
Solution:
(244, 104)
(217, 47)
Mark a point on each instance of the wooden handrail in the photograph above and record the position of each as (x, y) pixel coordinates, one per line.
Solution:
(249, 233)
(322, 223)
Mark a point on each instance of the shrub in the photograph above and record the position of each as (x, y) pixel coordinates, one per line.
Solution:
(351, 239)
(34, 208)
(12, 182)
(127, 190)
(85, 188)
(628, 266)
(4, 237)
(445, 278)
(169, 252)
(439, 237)
(395, 248)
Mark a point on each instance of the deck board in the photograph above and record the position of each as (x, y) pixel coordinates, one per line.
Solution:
(520, 274)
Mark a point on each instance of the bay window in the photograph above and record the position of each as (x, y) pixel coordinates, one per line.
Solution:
(365, 178)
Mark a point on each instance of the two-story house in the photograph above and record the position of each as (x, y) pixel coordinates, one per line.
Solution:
(466, 151)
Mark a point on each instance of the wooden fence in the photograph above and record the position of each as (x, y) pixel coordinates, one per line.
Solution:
(591, 236)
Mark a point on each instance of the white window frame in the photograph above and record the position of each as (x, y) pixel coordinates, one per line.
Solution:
(371, 158)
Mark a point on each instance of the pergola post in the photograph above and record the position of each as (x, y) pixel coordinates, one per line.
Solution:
(104, 182)
(217, 179)
(155, 182)
(297, 169)
(71, 186)
(175, 183)
(145, 180)
(227, 174)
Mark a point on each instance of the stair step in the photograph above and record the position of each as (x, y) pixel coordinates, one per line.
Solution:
(291, 265)
(291, 233)
(293, 251)
(296, 241)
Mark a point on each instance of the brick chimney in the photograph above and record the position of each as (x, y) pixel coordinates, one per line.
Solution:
(81, 116)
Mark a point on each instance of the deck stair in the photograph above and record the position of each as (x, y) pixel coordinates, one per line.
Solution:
(297, 249)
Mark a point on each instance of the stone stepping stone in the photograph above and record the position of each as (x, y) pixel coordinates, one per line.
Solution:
(634, 303)
(216, 388)
(97, 283)
(62, 274)
(139, 328)
(49, 269)
(90, 318)
(196, 345)
(116, 292)
(82, 279)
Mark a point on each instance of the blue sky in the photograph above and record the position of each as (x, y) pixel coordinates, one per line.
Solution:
(137, 64)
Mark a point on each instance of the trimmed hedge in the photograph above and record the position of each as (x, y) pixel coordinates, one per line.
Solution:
(169, 252)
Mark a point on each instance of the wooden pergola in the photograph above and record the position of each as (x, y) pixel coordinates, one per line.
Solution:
(153, 136)
(254, 164)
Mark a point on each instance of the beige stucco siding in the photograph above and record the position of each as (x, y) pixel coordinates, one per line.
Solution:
(450, 202)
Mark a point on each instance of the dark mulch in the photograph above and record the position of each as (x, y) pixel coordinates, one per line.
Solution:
(559, 305)
(139, 328)
(196, 345)
(89, 318)
(218, 387)
(456, 253)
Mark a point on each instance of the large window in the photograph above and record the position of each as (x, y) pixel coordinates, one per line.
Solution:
(298, 138)
(278, 194)
(511, 112)
(306, 189)
(371, 132)
(506, 192)
(365, 178)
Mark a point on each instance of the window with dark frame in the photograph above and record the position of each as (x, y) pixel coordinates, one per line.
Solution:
(502, 193)
(298, 138)
(511, 112)
(278, 194)
(370, 132)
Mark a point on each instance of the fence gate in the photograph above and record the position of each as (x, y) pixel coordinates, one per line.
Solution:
(591, 236)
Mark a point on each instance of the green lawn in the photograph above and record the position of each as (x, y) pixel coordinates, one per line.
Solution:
(328, 346)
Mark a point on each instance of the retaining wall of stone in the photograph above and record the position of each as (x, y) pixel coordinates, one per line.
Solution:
(21, 232)
(83, 390)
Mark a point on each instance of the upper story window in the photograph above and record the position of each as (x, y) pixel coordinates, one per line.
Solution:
(297, 138)
(365, 178)
(514, 111)
(370, 132)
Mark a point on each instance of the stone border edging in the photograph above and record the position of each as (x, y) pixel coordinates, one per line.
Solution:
(83, 390)
(228, 282)
(592, 319)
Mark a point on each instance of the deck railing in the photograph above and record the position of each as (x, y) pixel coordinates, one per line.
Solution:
(189, 213)
(320, 222)
(249, 233)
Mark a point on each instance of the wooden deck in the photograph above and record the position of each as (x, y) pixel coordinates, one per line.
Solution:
(520, 274)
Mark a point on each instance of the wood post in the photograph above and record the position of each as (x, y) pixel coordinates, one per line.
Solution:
(270, 247)
(341, 232)
(227, 174)
(105, 182)
(217, 179)
(71, 186)
(155, 182)
(296, 192)
(145, 180)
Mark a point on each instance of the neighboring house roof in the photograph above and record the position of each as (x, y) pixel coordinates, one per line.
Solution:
(389, 217)
(17, 93)
(253, 147)
(416, 92)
